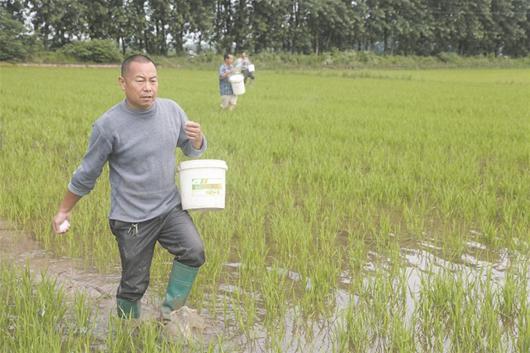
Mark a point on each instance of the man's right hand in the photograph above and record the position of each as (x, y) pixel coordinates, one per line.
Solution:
(59, 218)
(68, 203)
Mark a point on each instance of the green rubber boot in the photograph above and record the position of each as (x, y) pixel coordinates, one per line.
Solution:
(128, 309)
(179, 287)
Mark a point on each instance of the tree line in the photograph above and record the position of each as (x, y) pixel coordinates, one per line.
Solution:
(419, 27)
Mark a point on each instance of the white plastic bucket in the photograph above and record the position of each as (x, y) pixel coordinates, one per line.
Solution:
(202, 184)
(238, 84)
(251, 68)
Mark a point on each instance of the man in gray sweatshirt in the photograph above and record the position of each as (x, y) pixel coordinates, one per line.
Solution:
(138, 138)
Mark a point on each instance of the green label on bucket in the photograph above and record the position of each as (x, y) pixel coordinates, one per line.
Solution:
(206, 186)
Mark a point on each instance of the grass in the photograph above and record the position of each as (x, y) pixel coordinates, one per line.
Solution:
(38, 316)
(34, 316)
(333, 176)
(330, 60)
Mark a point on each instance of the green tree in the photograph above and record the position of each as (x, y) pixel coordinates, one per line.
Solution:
(121, 29)
(14, 8)
(159, 18)
(358, 31)
(241, 28)
(413, 28)
(299, 39)
(268, 25)
(98, 19)
(507, 33)
(179, 23)
(329, 23)
(12, 45)
(472, 28)
(223, 25)
(201, 17)
(424, 27)
(137, 26)
(57, 22)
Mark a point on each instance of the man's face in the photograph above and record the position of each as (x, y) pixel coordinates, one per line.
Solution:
(229, 60)
(140, 85)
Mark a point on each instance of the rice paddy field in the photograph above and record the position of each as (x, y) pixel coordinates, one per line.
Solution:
(367, 211)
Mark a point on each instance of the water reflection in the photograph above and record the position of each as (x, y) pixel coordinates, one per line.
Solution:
(419, 260)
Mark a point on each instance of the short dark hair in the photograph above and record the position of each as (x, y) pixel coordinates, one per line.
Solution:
(141, 58)
(227, 55)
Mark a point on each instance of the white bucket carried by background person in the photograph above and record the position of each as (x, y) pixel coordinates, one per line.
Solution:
(238, 84)
(202, 184)
(251, 68)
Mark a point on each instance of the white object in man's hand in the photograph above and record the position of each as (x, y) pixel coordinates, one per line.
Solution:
(60, 223)
(63, 227)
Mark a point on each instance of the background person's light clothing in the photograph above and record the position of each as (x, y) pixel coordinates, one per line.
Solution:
(227, 101)
(242, 63)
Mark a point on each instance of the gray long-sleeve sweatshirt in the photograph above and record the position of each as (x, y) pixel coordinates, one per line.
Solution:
(140, 148)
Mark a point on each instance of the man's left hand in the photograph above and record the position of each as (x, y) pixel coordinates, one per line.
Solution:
(194, 133)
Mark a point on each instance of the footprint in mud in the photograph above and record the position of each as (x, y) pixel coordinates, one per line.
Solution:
(185, 323)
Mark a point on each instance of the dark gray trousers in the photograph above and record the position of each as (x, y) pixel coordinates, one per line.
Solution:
(174, 230)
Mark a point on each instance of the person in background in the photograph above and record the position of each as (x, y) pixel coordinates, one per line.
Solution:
(228, 98)
(244, 65)
(138, 138)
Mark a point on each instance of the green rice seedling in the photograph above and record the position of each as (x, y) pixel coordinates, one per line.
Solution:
(35, 315)
(523, 329)
(82, 316)
(490, 322)
(508, 297)
(401, 337)
(440, 305)
(276, 287)
(334, 177)
(353, 334)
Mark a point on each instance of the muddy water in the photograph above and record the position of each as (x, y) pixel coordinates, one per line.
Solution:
(299, 334)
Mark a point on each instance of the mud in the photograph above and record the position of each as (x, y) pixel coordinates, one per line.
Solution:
(71, 275)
